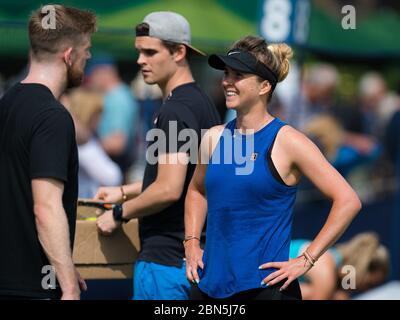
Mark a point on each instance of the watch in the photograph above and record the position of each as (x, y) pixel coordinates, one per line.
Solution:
(117, 213)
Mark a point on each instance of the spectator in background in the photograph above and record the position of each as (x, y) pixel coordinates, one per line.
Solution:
(329, 135)
(377, 104)
(118, 124)
(149, 98)
(376, 107)
(318, 98)
(363, 252)
(317, 95)
(95, 166)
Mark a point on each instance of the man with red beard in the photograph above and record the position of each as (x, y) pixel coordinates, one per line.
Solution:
(39, 161)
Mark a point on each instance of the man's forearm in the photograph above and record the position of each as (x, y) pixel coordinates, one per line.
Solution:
(53, 232)
(133, 190)
(155, 198)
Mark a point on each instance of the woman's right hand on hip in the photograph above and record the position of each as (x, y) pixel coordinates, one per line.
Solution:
(194, 260)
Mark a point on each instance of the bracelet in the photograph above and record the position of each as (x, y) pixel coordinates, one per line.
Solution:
(190, 238)
(124, 197)
(309, 258)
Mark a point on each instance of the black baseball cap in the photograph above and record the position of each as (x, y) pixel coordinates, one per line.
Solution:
(243, 61)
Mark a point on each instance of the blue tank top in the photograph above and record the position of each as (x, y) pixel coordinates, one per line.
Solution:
(249, 215)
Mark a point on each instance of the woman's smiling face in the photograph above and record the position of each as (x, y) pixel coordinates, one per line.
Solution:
(241, 90)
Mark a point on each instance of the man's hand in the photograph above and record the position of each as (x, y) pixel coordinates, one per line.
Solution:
(109, 194)
(75, 292)
(73, 295)
(106, 224)
(81, 281)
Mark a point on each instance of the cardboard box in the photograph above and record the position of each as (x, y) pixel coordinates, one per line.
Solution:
(120, 271)
(105, 257)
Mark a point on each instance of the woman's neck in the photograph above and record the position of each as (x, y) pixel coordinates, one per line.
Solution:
(253, 120)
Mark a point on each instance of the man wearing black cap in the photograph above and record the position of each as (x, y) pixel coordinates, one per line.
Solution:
(163, 41)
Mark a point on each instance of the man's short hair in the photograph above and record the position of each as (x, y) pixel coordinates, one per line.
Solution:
(71, 24)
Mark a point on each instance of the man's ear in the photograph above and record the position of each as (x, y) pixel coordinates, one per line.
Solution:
(265, 87)
(180, 54)
(67, 56)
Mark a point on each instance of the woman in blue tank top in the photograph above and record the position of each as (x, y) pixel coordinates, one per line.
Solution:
(246, 184)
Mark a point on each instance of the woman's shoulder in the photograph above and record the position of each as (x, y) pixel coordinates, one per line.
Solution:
(291, 139)
(288, 137)
(288, 131)
(215, 131)
(210, 139)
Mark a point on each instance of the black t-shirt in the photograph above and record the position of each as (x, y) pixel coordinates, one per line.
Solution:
(37, 140)
(161, 234)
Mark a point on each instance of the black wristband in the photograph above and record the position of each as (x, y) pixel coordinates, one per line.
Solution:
(117, 213)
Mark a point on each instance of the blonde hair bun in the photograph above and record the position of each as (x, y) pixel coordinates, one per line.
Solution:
(282, 54)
